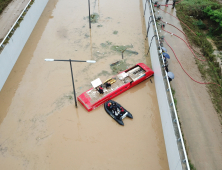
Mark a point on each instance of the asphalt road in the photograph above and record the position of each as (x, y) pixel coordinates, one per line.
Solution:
(200, 123)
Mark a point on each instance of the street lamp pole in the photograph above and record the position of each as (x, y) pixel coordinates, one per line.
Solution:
(74, 92)
(89, 14)
(70, 61)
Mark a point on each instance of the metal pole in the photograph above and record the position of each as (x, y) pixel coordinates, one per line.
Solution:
(72, 60)
(89, 14)
(74, 92)
(151, 43)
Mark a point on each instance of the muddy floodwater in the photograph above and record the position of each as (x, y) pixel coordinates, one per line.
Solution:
(40, 126)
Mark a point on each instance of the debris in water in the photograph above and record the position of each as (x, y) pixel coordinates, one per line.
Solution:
(123, 48)
(94, 18)
(86, 35)
(132, 52)
(119, 66)
(106, 44)
(114, 63)
(115, 32)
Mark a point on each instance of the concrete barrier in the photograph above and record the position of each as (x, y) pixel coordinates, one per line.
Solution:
(12, 50)
(176, 152)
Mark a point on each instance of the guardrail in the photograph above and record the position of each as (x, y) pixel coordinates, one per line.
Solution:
(14, 25)
(177, 156)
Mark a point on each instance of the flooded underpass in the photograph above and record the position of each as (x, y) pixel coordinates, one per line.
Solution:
(40, 126)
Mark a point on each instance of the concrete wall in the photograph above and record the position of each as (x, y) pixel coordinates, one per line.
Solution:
(12, 50)
(164, 107)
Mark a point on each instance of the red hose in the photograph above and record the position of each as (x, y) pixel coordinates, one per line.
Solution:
(185, 70)
(186, 44)
(185, 36)
(180, 21)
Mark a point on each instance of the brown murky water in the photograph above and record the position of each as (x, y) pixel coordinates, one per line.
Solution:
(40, 126)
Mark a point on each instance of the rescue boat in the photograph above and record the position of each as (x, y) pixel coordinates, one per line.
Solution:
(118, 117)
(120, 83)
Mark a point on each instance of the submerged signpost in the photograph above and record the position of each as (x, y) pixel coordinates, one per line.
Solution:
(70, 61)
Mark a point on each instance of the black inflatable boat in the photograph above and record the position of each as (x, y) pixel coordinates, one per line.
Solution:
(117, 116)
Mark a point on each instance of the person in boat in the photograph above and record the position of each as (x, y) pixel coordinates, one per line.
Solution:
(114, 109)
(122, 111)
(108, 85)
(109, 105)
(100, 90)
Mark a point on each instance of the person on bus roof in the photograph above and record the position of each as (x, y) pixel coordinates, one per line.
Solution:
(101, 90)
(108, 85)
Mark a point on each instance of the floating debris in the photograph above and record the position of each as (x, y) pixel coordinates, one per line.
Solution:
(114, 63)
(106, 44)
(131, 52)
(94, 18)
(120, 48)
(86, 36)
(115, 32)
(118, 67)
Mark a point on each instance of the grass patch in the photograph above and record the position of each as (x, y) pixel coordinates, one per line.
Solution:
(192, 167)
(174, 98)
(4, 4)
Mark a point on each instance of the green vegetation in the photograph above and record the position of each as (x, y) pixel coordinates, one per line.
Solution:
(115, 32)
(174, 98)
(123, 48)
(120, 66)
(192, 166)
(119, 48)
(94, 18)
(204, 17)
(4, 4)
(215, 16)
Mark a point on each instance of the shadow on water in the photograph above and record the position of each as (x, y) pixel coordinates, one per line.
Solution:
(146, 45)
(155, 117)
(10, 87)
